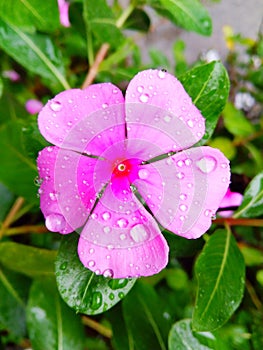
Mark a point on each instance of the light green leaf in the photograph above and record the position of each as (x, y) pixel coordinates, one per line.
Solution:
(252, 204)
(208, 86)
(188, 14)
(13, 293)
(51, 323)
(17, 171)
(82, 289)
(25, 13)
(252, 256)
(220, 271)
(36, 52)
(145, 318)
(28, 260)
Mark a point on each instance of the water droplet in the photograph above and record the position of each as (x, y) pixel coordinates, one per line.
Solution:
(96, 301)
(108, 273)
(144, 98)
(49, 149)
(224, 165)
(91, 263)
(106, 216)
(161, 74)
(122, 223)
(139, 233)
(190, 123)
(140, 89)
(208, 212)
(188, 161)
(111, 296)
(53, 196)
(143, 173)
(106, 229)
(121, 295)
(55, 222)
(167, 118)
(56, 106)
(118, 283)
(38, 181)
(180, 176)
(224, 179)
(63, 266)
(183, 197)
(105, 105)
(183, 207)
(207, 164)
(91, 251)
(122, 237)
(180, 163)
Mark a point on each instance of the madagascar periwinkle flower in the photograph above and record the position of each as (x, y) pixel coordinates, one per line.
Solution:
(230, 199)
(33, 106)
(121, 168)
(63, 7)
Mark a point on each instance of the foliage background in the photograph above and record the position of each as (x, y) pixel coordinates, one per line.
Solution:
(210, 295)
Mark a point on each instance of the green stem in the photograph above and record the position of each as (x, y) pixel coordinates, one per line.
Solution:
(90, 47)
(123, 17)
(25, 229)
(239, 222)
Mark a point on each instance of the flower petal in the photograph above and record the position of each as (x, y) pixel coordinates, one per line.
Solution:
(187, 192)
(63, 7)
(122, 244)
(231, 199)
(75, 117)
(158, 109)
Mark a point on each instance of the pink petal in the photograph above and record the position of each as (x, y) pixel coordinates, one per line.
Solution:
(187, 192)
(76, 117)
(158, 109)
(33, 106)
(122, 244)
(63, 7)
(55, 220)
(231, 199)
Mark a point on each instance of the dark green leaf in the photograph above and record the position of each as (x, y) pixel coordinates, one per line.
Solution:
(252, 204)
(138, 20)
(17, 171)
(182, 337)
(36, 52)
(51, 323)
(30, 261)
(13, 293)
(220, 271)
(101, 22)
(1, 87)
(6, 200)
(23, 13)
(182, 247)
(208, 86)
(145, 321)
(188, 14)
(10, 108)
(82, 289)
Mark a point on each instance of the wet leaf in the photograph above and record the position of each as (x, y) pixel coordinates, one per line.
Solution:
(82, 289)
(220, 271)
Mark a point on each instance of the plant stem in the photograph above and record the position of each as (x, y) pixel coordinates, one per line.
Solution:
(104, 331)
(126, 13)
(239, 222)
(253, 295)
(10, 216)
(25, 229)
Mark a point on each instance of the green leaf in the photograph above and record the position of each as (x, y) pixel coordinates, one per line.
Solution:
(220, 271)
(208, 86)
(82, 289)
(51, 323)
(182, 337)
(1, 87)
(225, 145)
(41, 14)
(144, 319)
(252, 256)
(6, 200)
(252, 204)
(138, 20)
(17, 171)
(188, 14)
(36, 52)
(102, 23)
(235, 121)
(10, 108)
(13, 293)
(30, 261)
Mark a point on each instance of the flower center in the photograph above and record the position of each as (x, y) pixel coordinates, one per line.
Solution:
(122, 169)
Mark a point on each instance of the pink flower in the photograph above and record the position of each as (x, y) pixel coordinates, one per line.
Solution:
(33, 106)
(63, 7)
(231, 199)
(103, 144)
(11, 75)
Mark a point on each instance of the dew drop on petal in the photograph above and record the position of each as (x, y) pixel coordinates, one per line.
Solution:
(139, 233)
(144, 98)
(91, 263)
(180, 163)
(183, 207)
(122, 237)
(122, 223)
(180, 176)
(106, 229)
(207, 164)
(143, 173)
(56, 106)
(140, 89)
(161, 74)
(190, 123)
(105, 105)
(183, 197)
(108, 273)
(106, 216)
(55, 222)
(53, 196)
(167, 118)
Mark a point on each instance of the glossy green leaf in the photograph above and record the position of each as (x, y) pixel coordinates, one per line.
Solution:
(145, 319)
(28, 260)
(182, 337)
(17, 171)
(36, 52)
(24, 13)
(51, 323)
(235, 121)
(208, 86)
(252, 204)
(101, 22)
(82, 289)
(220, 271)
(13, 294)
(188, 14)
